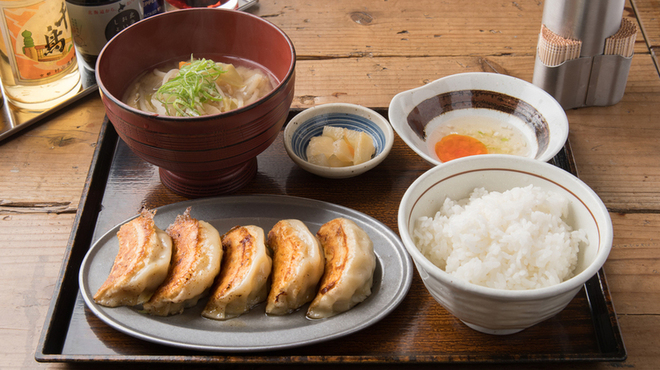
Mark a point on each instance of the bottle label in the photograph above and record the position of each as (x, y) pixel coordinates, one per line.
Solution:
(39, 40)
(152, 7)
(93, 26)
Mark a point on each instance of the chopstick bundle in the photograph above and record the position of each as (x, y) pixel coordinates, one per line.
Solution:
(623, 41)
(554, 50)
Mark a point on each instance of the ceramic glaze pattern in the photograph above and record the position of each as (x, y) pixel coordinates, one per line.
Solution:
(432, 107)
(417, 112)
(314, 127)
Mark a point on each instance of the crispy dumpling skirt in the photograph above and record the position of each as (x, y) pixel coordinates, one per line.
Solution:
(140, 266)
(297, 266)
(243, 279)
(350, 263)
(195, 264)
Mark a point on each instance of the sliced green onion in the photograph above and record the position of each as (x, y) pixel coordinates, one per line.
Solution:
(193, 86)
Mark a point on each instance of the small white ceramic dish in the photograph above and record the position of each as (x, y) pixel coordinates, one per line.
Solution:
(415, 114)
(498, 311)
(310, 122)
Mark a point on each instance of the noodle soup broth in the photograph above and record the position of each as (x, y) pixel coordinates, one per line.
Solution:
(241, 83)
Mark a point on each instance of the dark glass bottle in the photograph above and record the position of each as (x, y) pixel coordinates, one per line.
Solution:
(95, 22)
(183, 4)
(152, 7)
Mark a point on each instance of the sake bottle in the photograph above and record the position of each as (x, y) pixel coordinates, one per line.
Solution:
(95, 22)
(38, 63)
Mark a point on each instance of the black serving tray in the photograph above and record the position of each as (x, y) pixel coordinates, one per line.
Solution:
(419, 331)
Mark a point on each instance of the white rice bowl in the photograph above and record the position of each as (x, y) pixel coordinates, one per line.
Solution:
(514, 239)
(485, 308)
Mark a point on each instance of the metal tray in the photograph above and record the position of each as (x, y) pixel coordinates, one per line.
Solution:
(418, 331)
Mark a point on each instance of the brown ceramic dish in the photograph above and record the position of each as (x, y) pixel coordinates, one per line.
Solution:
(208, 155)
(512, 102)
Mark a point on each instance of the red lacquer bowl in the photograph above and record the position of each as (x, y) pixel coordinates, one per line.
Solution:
(209, 155)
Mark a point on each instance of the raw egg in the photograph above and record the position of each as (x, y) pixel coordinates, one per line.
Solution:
(456, 146)
(479, 134)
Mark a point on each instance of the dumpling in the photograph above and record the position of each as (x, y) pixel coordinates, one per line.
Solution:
(349, 268)
(243, 279)
(195, 264)
(297, 266)
(141, 263)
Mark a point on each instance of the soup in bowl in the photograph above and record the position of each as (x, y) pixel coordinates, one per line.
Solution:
(199, 154)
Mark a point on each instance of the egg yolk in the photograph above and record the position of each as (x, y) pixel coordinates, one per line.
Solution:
(456, 146)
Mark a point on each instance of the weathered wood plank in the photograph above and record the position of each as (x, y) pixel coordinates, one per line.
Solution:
(46, 165)
(365, 53)
(648, 13)
(345, 28)
(633, 267)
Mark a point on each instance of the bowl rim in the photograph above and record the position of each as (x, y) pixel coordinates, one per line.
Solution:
(394, 111)
(544, 170)
(357, 169)
(230, 4)
(276, 90)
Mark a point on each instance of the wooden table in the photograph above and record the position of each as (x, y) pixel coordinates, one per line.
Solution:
(365, 52)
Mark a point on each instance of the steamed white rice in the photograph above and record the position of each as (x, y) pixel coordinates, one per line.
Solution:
(513, 240)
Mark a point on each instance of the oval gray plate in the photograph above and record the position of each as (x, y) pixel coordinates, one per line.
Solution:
(254, 331)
